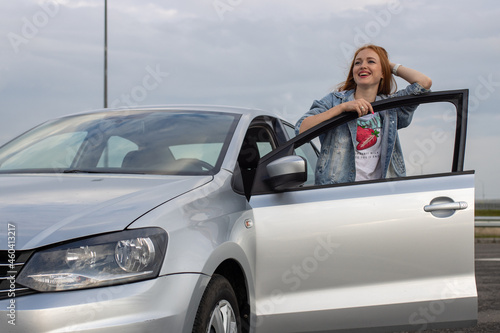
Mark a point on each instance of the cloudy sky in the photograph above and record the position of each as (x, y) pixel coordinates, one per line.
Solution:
(270, 54)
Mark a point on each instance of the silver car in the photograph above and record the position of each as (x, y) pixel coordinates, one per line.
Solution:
(207, 219)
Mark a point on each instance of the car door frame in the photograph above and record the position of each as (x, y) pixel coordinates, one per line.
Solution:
(459, 98)
(266, 202)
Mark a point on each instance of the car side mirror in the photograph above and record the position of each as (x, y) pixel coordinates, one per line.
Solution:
(287, 172)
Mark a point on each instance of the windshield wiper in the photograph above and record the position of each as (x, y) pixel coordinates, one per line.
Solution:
(79, 171)
(103, 171)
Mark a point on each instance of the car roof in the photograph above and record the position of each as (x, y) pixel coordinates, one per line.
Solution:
(251, 112)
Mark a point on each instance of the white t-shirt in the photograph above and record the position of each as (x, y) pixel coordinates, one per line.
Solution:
(368, 137)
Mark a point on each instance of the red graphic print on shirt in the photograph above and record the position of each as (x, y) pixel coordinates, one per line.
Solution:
(366, 137)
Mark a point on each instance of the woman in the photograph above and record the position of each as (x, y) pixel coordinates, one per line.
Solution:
(368, 147)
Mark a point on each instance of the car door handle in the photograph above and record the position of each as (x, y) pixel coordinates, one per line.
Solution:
(442, 207)
(446, 206)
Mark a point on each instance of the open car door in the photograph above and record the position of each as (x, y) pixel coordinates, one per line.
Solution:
(389, 254)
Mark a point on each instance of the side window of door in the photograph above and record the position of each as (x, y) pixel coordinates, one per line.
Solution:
(419, 136)
(258, 142)
(426, 145)
(428, 142)
(309, 152)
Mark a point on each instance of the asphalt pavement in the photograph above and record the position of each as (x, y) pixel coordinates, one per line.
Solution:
(488, 288)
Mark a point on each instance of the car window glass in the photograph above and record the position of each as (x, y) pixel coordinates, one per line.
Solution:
(115, 151)
(290, 130)
(427, 143)
(258, 141)
(207, 152)
(264, 140)
(309, 152)
(264, 147)
(54, 152)
(127, 141)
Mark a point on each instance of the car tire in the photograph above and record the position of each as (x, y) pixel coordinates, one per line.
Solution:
(218, 311)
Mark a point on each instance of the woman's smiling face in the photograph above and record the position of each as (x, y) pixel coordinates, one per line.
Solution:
(367, 70)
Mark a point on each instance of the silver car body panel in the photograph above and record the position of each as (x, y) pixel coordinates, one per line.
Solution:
(327, 256)
(147, 306)
(48, 208)
(205, 228)
(203, 232)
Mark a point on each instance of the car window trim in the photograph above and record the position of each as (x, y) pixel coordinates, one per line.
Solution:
(459, 98)
(373, 181)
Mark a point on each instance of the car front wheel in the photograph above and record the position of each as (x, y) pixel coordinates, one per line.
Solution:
(218, 311)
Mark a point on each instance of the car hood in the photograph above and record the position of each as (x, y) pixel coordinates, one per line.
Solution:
(47, 209)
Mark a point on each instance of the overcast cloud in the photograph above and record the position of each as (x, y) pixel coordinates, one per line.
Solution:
(270, 54)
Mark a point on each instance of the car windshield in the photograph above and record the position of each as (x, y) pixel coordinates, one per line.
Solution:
(145, 142)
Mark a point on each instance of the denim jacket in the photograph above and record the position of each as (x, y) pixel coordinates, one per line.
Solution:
(336, 162)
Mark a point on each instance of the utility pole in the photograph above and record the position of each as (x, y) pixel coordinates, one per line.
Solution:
(105, 53)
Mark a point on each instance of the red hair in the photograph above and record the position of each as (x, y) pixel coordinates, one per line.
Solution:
(386, 86)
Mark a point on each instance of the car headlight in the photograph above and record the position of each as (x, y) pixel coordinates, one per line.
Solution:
(114, 258)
